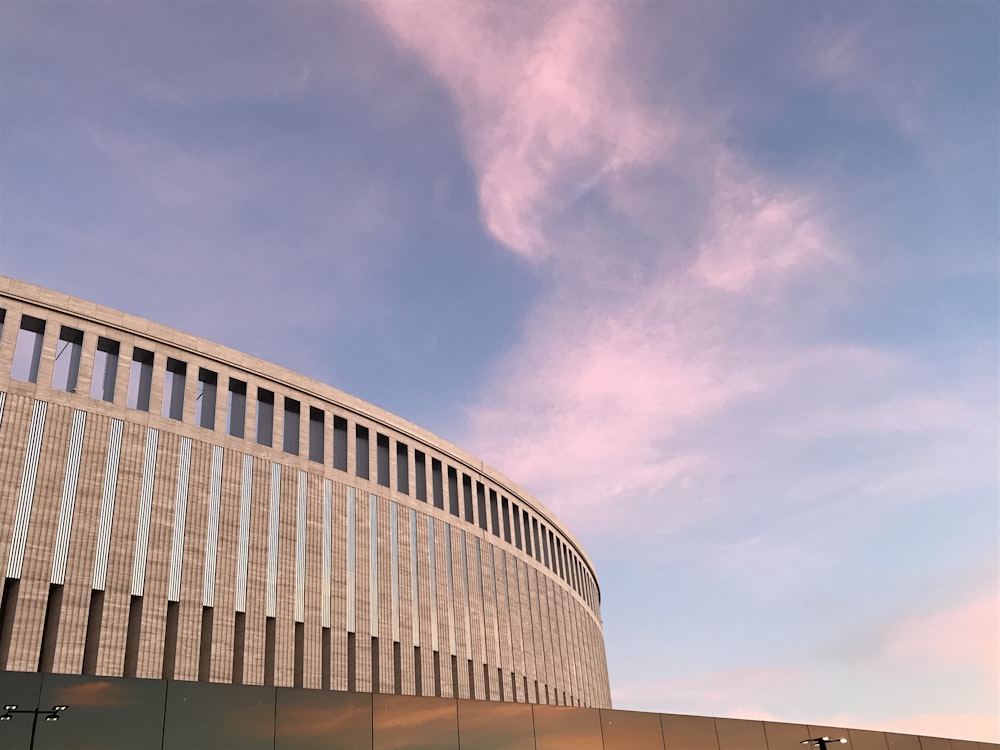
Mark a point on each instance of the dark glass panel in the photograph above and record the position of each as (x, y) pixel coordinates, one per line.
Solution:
(315, 719)
(740, 734)
(688, 732)
(215, 717)
(559, 728)
(902, 741)
(18, 689)
(932, 743)
(403, 722)
(495, 726)
(631, 730)
(106, 712)
(862, 739)
(782, 736)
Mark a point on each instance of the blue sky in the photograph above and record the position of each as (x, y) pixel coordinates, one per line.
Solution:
(716, 281)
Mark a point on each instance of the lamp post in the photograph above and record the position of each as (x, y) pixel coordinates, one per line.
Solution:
(822, 742)
(51, 714)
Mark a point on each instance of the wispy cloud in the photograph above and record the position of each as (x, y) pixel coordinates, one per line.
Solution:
(544, 114)
(693, 362)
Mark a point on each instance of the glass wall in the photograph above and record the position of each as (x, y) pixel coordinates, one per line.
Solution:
(121, 714)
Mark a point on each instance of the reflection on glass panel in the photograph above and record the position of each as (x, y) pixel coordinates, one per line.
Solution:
(902, 741)
(688, 732)
(18, 689)
(406, 722)
(738, 734)
(862, 739)
(314, 719)
(210, 717)
(567, 728)
(631, 730)
(495, 726)
(786, 736)
(105, 712)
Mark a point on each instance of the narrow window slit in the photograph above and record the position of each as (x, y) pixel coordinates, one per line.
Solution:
(204, 400)
(453, 499)
(420, 472)
(467, 496)
(300, 640)
(269, 652)
(481, 502)
(418, 672)
(403, 468)
(340, 443)
(437, 482)
(66, 367)
(361, 452)
(132, 636)
(494, 514)
(352, 663)
(205, 652)
(317, 434)
(264, 429)
(382, 459)
(50, 628)
(324, 680)
(239, 646)
(8, 606)
(102, 382)
(173, 389)
(92, 638)
(397, 669)
(170, 640)
(236, 408)
(28, 349)
(140, 380)
(290, 441)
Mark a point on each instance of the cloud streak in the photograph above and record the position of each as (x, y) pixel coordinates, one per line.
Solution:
(691, 355)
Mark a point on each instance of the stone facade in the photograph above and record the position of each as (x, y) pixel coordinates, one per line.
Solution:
(152, 532)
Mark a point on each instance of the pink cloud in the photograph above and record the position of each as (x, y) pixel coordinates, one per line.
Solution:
(747, 688)
(628, 355)
(671, 373)
(544, 113)
(965, 636)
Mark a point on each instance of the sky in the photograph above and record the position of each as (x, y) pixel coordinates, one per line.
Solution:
(716, 281)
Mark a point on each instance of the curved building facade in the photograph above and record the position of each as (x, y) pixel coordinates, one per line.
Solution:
(173, 509)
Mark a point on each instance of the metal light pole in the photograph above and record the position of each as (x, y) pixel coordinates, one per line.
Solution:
(51, 714)
(822, 742)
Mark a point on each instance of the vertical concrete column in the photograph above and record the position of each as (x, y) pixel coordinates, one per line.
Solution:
(304, 428)
(250, 428)
(338, 586)
(11, 323)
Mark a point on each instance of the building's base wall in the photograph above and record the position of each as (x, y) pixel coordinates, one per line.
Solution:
(119, 714)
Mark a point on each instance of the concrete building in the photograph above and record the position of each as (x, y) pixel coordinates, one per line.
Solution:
(175, 509)
(175, 513)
